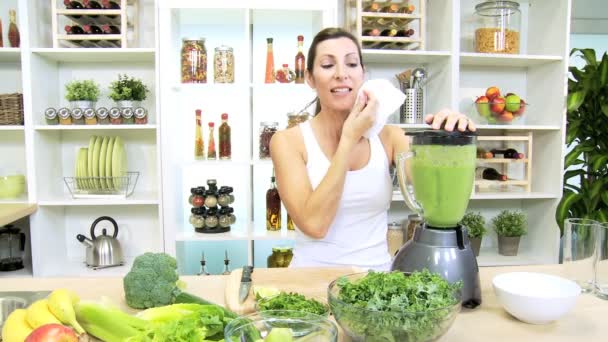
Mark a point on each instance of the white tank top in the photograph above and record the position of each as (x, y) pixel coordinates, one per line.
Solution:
(357, 235)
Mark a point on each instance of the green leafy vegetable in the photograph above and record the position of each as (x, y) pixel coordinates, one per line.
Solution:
(396, 307)
(293, 301)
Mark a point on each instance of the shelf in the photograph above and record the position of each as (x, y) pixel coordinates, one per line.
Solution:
(77, 268)
(501, 160)
(498, 183)
(93, 127)
(11, 128)
(23, 199)
(89, 12)
(282, 234)
(520, 127)
(398, 197)
(96, 55)
(259, 162)
(194, 236)
(209, 86)
(10, 55)
(25, 272)
(404, 56)
(138, 198)
(506, 60)
(490, 257)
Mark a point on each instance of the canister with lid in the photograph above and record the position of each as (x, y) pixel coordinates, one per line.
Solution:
(65, 116)
(223, 62)
(497, 27)
(197, 219)
(103, 116)
(395, 237)
(267, 130)
(77, 116)
(50, 116)
(193, 60)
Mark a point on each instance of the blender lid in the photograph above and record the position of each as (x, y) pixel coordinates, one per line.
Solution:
(442, 137)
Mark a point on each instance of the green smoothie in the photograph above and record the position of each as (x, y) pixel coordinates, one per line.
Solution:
(442, 176)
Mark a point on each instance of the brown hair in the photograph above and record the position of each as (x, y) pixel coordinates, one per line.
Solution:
(323, 35)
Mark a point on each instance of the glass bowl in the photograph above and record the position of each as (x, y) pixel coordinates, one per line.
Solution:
(303, 326)
(323, 310)
(495, 112)
(363, 324)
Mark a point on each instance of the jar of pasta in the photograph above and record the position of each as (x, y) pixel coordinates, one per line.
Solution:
(194, 60)
(223, 62)
(497, 27)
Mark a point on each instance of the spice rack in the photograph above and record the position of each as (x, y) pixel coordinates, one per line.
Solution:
(116, 17)
(504, 165)
(374, 28)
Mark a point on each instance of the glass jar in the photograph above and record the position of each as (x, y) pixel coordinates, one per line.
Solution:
(395, 237)
(267, 130)
(127, 116)
(199, 197)
(225, 196)
(271, 261)
(230, 212)
(194, 60)
(498, 24)
(223, 61)
(413, 221)
(141, 116)
(293, 119)
(197, 218)
(192, 193)
(287, 256)
(65, 116)
(90, 118)
(210, 199)
(211, 220)
(103, 116)
(212, 184)
(50, 116)
(77, 116)
(115, 116)
(224, 218)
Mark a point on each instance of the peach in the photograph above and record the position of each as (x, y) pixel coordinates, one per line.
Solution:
(492, 93)
(483, 106)
(506, 116)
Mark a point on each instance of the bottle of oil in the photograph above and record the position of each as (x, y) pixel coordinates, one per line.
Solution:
(273, 206)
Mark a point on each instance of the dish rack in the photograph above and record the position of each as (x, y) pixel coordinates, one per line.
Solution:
(90, 187)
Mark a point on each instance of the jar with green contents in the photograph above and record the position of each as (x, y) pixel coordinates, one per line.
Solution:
(77, 116)
(103, 116)
(197, 219)
(51, 117)
(271, 262)
(127, 116)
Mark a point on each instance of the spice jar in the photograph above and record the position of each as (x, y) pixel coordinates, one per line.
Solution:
(224, 218)
(115, 116)
(211, 220)
(267, 130)
(194, 60)
(192, 191)
(50, 116)
(497, 28)
(230, 212)
(77, 116)
(65, 116)
(197, 218)
(225, 196)
(199, 197)
(141, 116)
(394, 237)
(127, 116)
(103, 116)
(212, 184)
(210, 199)
(90, 118)
(413, 221)
(223, 61)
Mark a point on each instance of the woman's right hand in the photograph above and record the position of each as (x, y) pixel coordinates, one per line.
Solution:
(361, 118)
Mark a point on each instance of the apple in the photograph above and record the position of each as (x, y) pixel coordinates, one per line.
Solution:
(506, 116)
(522, 108)
(498, 105)
(483, 106)
(492, 93)
(52, 333)
(513, 103)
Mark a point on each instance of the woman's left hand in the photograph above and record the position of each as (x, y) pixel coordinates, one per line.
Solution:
(451, 119)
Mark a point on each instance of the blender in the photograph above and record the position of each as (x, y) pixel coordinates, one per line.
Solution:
(436, 179)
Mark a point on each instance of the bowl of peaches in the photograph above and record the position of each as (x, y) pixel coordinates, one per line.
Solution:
(495, 108)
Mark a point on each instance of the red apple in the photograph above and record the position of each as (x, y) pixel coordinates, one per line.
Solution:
(52, 333)
(492, 93)
(522, 108)
(498, 105)
(506, 116)
(483, 106)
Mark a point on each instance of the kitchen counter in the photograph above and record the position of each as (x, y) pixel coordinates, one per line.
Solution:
(12, 212)
(586, 322)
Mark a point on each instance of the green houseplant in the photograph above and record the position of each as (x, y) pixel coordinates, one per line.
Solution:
(587, 136)
(128, 91)
(476, 229)
(509, 226)
(82, 93)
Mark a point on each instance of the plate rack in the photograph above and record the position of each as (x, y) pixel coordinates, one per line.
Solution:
(84, 187)
(372, 23)
(121, 18)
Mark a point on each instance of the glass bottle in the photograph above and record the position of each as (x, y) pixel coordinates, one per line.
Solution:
(226, 264)
(273, 206)
(269, 76)
(225, 196)
(285, 75)
(199, 197)
(211, 143)
(290, 225)
(224, 138)
(199, 145)
(223, 61)
(267, 130)
(13, 32)
(490, 174)
(203, 271)
(300, 61)
(497, 27)
(212, 184)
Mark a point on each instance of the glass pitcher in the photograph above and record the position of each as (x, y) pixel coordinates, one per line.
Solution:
(436, 176)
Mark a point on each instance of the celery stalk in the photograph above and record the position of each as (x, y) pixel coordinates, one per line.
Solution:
(107, 323)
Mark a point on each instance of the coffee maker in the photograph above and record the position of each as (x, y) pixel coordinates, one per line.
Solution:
(436, 179)
(12, 247)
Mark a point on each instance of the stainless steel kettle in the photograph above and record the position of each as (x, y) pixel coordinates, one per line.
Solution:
(103, 250)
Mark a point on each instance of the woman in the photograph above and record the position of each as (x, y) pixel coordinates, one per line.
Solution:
(335, 183)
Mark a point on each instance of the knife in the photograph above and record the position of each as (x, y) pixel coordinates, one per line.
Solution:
(245, 283)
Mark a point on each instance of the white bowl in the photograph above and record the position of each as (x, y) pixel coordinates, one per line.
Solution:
(535, 298)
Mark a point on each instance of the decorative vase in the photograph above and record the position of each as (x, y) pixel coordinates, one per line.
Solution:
(475, 244)
(508, 245)
(82, 104)
(128, 104)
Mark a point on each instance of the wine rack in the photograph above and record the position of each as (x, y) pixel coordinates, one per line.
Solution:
(522, 167)
(387, 25)
(119, 18)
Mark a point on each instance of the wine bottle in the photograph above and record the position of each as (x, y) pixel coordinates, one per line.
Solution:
(110, 29)
(407, 9)
(107, 4)
(374, 32)
(489, 174)
(388, 32)
(91, 4)
(72, 4)
(300, 64)
(482, 153)
(508, 153)
(391, 8)
(92, 29)
(372, 7)
(73, 29)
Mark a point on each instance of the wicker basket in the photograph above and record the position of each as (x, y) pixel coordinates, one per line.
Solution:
(11, 109)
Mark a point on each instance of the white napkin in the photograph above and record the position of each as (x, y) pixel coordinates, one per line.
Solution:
(389, 99)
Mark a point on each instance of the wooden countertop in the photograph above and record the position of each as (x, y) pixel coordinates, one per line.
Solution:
(586, 322)
(12, 212)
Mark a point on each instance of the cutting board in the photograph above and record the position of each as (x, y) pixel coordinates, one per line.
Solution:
(310, 282)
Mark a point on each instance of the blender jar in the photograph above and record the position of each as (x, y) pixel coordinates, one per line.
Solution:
(436, 176)
(497, 28)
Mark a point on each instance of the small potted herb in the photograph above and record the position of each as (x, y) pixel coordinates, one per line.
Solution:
(82, 93)
(128, 91)
(476, 229)
(510, 226)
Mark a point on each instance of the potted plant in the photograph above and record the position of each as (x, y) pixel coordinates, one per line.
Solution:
(585, 192)
(82, 93)
(509, 226)
(128, 91)
(476, 229)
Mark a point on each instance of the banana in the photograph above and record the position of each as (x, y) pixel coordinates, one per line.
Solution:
(16, 328)
(38, 314)
(61, 304)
